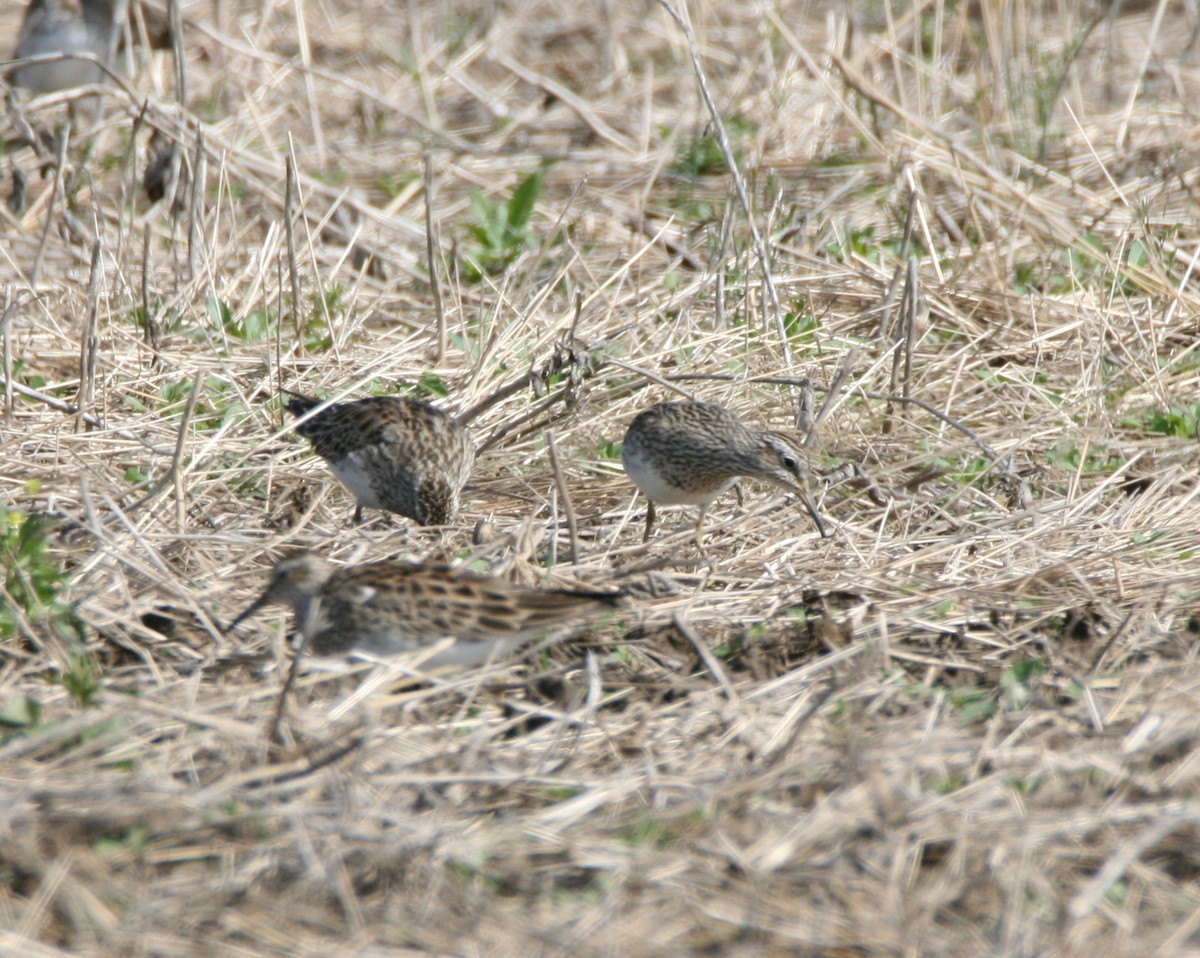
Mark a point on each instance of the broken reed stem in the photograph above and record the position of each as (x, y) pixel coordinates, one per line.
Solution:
(914, 297)
(891, 316)
(177, 460)
(832, 393)
(199, 174)
(10, 309)
(174, 474)
(564, 495)
(567, 355)
(435, 288)
(902, 328)
(149, 322)
(175, 22)
(289, 209)
(71, 409)
(278, 344)
(529, 416)
(904, 339)
(89, 344)
(664, 381)
(552, 546)
(64, 138)
(887, 319)
(798, 716)
(495, 397)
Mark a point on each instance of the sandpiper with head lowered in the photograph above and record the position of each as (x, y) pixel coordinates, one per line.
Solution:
(386, 608)
(688, 453)
(392, 452)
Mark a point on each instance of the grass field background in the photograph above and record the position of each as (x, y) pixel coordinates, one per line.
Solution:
(953, 244)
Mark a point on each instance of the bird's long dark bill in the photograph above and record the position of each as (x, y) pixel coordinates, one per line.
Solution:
(250, 610)
(812, 511)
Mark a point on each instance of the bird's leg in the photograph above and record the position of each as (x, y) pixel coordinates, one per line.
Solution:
(708, 560)
(358, 513)
(649, 520)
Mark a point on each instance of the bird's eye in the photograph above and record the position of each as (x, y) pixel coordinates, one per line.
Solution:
(790, 463)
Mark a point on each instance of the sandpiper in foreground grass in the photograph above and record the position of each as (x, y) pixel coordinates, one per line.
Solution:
(385, 608)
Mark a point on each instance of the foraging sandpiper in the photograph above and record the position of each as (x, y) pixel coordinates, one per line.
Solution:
(688, 453)
(385, 608)
(393, 453)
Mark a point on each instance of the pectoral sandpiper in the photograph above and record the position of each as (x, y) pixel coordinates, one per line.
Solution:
(688, 453)
(393, 453)
(385, 608)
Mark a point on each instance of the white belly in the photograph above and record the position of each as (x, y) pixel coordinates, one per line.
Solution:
(353, 476)
(655, 488)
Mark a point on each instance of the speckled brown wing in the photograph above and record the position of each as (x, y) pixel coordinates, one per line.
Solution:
(393, 453)
(689, 453)
(686, 452)
(346, 426)
(426, 454)
(386, 608)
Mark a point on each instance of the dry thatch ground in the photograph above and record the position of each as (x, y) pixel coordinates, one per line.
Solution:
(964, 724)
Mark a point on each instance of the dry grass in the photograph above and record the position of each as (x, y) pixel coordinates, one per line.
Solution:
(965, 724)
